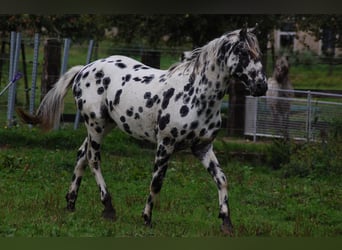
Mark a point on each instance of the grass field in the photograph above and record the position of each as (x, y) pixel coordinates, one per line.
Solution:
(36, 168)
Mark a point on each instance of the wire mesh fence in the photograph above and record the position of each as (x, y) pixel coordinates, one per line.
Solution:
(28, 93)
(309, 118)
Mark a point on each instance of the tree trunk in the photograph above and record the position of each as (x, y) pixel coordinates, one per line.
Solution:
(236, 110)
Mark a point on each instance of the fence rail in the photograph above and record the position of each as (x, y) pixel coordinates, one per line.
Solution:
(309, 118)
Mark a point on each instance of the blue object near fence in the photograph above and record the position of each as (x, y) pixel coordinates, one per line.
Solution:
(17, 76)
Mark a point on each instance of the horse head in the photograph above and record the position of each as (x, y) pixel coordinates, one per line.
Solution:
(244, 62)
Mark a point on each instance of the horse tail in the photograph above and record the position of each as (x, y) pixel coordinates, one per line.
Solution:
(51, 107)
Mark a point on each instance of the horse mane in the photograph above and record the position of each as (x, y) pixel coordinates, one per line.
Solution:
(216, 47)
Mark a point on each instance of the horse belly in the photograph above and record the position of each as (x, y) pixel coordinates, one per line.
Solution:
(133, 118)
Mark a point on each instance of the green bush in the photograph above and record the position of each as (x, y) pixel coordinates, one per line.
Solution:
(306, 159)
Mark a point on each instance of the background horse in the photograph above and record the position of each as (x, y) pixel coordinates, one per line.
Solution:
(279, 90)
(174, 108)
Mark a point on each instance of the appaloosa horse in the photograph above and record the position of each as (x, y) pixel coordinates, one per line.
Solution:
(174, 108)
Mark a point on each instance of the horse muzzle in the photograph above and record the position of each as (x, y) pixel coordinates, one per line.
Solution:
(259, 88)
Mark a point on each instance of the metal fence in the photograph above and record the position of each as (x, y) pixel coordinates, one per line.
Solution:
(309, 117)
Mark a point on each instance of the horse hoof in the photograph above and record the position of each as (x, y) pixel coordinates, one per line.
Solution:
(70, 208)
(109, 215)
(227, 229)
(147, 221)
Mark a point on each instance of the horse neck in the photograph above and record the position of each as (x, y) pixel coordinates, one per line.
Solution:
(210, 82)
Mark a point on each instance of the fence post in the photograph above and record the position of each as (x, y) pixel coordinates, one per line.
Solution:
(89, 54)
(15, 51)
(65, 57)
(34, 72)
(308, 122)
(255, 117)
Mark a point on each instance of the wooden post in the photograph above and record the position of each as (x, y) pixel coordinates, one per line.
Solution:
(236, 110)
(51, 65)
(3, 57)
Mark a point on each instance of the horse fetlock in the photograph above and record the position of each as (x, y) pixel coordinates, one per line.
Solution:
(71, 201)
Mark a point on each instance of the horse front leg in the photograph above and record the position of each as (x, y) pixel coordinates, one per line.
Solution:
(159, 172)
(81, 164)
(207, 156)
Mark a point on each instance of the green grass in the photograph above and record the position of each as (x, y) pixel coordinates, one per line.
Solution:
(36, 169)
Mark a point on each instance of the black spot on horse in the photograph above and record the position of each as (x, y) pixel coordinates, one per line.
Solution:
(95, 145)
(166, 141)
(117, 97)
(147, 79)
(127, 77)
(149, 103)
(191, 135)
(194, 125)
(129, 112)
(137, 66)
(98, 129)
(184, 110)
(99, 74)
(80, 104)
(220, 94)
(147, 95)
(122, 119)
(136, 116)
(92, 115)
(127, 128)
(203, 132)
(212, 168)
(104, 112)
(100, 90)
(106, 82)
(85, 75)
(167, 96)
(77, 92)
(187, 87)
(179, 95)
(163, 121)
(121, 65)
(191, 91)
(211, 125)
(78, 77)
(174, 132)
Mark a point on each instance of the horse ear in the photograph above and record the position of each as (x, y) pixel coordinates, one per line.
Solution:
(243, 33)
(255, 29)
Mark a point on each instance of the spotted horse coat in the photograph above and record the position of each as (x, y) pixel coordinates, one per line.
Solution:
(174, 108)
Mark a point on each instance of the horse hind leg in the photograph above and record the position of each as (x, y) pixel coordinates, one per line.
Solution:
(81, 164)
(207, 156)
(94, 159)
